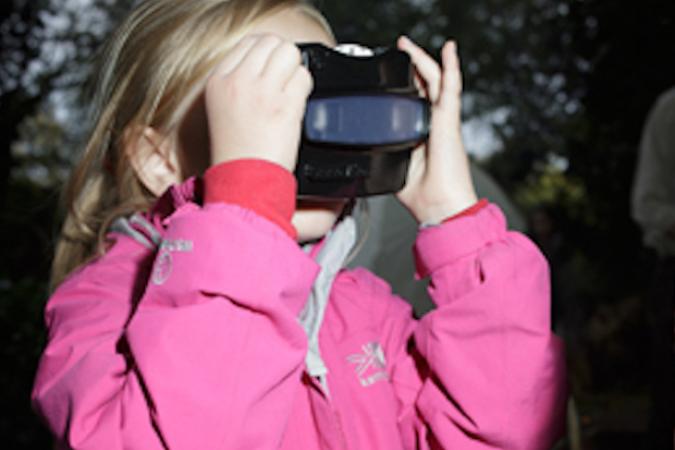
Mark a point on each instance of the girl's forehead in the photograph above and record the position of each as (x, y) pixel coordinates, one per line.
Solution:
(294, 25)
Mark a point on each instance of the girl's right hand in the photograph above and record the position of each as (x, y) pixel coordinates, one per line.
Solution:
(255, 102)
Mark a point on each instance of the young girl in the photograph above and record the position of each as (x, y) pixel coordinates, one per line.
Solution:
(187, 315)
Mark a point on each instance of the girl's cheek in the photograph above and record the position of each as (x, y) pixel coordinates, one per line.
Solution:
(314, 223)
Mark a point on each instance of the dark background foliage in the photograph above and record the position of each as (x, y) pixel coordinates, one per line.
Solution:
(565, 85)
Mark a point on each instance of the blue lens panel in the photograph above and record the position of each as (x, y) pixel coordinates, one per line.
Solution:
(365, 120)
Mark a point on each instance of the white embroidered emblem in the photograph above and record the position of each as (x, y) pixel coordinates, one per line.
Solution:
(370, 365)
(164, 261)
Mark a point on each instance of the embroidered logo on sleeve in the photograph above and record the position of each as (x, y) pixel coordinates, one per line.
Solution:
(164, 261)
(370, 366)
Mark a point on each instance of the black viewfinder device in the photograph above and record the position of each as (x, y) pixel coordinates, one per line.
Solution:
(363, 119)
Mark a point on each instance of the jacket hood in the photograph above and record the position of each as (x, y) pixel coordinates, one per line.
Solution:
(331, 253)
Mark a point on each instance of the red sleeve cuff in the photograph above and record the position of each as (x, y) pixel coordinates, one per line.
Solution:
(261, 186)
(470, 211)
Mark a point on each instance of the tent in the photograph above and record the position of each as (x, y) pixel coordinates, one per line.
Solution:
(388, 222)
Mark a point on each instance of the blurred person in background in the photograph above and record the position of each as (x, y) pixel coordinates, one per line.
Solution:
(653, 208)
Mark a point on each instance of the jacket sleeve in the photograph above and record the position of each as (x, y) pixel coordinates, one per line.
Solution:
(212, 351)
(483, 370)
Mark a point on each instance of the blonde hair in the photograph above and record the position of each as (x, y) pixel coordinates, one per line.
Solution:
(152, 68)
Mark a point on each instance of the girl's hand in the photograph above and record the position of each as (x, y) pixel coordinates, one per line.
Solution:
(255, 101)
(439, 183)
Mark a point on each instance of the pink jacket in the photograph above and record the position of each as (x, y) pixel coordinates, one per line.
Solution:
(198, 345)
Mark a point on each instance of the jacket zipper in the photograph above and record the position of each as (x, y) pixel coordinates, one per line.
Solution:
(322, 384)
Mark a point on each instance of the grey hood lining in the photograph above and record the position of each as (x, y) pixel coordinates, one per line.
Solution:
(332, 258)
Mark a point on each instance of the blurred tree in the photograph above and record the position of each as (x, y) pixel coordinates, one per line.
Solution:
(631, 60)
(45, 50)
(19, 41)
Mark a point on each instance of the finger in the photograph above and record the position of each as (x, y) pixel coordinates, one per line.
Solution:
(300, 84)
(416, 168)
(420, 85)
(417, 161)
(283, 62)
(451, 83)
(235, 56)
(427, 67)
(255, 60)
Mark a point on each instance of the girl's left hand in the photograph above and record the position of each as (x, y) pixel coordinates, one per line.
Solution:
(439, 183)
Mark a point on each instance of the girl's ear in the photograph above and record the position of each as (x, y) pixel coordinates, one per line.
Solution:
(153, 157)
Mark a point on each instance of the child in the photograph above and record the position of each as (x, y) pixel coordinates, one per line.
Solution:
(193, 319)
